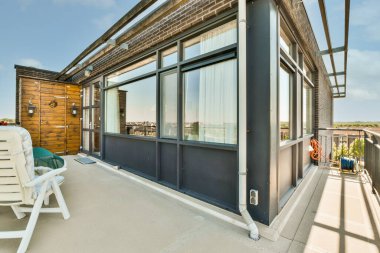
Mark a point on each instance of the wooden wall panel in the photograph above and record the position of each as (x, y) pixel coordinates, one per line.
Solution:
(53, 128)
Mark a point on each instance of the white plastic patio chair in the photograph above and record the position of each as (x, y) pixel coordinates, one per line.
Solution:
(19, 185)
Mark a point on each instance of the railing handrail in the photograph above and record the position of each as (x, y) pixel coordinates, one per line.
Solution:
(340, 129)
(377, 134)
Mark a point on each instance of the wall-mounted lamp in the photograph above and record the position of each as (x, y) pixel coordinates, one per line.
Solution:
(31, 108)
(74, 110)
(88, 71)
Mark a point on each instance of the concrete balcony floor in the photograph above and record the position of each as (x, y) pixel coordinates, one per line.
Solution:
(110, 213)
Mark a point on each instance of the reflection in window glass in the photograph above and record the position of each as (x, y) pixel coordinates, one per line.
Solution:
(169, 57)
(284, 105)
(307, 72)
(96, 94)
(86, 118)
(219, 37)
(86, 140)
(86, 96)
(135, 70)
(210, 103)
(95, 143)
(285, 42)
(131, 108)
(169, 105)
(96, 119)
(307, 109)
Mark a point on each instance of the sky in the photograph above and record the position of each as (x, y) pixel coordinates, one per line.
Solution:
(49, 34)
(363, 71)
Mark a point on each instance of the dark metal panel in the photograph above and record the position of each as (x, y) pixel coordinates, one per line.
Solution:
(263, 129)
(134, 154)
(168, 163)
(285, 170)
(212, 173)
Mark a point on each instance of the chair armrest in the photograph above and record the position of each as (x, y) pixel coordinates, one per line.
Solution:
(42, 170)
(44, 177)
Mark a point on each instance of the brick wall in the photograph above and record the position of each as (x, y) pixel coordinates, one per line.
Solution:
(322, 95)
(183, 15)
(323, 100)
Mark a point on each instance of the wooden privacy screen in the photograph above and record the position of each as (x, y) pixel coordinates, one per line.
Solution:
(52, 126)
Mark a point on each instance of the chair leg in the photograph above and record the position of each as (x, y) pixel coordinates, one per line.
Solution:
(33, 219)
(46, 200)
(17, 212)
(60, 199)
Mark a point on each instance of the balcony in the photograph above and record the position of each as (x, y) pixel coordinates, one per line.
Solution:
(116, 211)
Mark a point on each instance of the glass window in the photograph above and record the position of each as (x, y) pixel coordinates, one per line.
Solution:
(131, 108)
(307, 72)
(86, 140)
(219, 37)
(284, 105)
(86, 118)
(210, 103)
(285, 42)
(169, 105)
(169, 57)
(86, 96)
(135, 70)
(96, 94)
(307, 109)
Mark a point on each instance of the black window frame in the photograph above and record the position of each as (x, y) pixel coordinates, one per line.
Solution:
(216, 56)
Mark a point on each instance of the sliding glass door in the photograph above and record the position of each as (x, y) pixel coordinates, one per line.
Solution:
(91, 119)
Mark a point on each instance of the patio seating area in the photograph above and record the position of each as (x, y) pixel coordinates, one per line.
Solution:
(110, 213)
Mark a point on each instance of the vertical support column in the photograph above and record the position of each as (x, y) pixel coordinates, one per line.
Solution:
(262, 123)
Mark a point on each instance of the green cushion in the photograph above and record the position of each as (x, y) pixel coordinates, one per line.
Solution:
(45, 158)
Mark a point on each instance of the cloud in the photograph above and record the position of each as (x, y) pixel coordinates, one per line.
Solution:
(363, 75)
(95, 3)
(365, 14)
(30, 62)
(104, 22)
(1, 67)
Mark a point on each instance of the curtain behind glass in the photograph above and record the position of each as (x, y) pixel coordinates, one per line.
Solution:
(217, 105)
(112, 111)
(222, 36)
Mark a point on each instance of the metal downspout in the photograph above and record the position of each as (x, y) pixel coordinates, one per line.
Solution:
(253, 230)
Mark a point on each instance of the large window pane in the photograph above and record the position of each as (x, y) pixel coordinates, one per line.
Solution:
(169, 105)
(219, 37)
(284, 104)
(131, 108)
(307, 110)
(210, 103)
(135, 70)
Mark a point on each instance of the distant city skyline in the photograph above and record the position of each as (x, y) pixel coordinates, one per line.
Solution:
(49, 34)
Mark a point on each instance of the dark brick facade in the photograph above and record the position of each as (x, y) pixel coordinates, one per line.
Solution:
(322, 96)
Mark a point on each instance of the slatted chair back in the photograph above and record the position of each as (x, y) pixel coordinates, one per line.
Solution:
(13, 170)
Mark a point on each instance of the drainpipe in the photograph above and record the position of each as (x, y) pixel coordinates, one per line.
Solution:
(253, 230)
